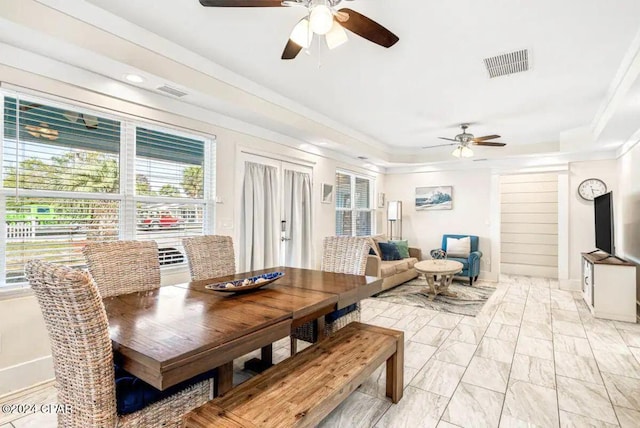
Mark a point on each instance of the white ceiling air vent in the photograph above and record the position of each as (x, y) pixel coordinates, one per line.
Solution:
(510, 63)
(171, 91)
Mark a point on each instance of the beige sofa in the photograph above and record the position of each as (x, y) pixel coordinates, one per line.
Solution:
(394, 272)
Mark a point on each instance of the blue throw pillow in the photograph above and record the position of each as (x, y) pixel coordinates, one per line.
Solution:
(389, 251)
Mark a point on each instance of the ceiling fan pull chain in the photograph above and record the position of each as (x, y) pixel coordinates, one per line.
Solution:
(319, 51)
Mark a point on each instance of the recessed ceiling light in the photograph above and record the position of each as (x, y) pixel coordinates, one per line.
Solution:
(134, 78)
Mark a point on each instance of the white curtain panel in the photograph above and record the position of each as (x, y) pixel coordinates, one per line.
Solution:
(297, 214)
(259, 234)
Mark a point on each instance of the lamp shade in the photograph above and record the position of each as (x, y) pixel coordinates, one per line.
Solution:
(321, 19)
(466, 152)
(462, 152)
(301, 35)
(336, 37)
(394, 210)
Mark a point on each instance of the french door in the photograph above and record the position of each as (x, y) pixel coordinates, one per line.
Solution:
(275, 213)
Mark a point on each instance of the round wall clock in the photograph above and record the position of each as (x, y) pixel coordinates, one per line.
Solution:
(591, 188)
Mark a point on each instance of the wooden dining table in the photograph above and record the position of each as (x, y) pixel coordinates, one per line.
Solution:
(171, 334)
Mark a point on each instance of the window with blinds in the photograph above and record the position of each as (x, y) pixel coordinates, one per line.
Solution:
(169, 167)
(60, 174)
(68, 178)
(354, 210)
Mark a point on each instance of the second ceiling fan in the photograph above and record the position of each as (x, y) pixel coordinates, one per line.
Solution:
(323, 19)
(464, 140)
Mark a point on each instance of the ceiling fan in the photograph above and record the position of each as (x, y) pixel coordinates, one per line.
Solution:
(90, 122)
(464, 140)
(324, 19)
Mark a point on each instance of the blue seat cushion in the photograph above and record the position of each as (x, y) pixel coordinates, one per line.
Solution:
(340, 313)
(133, 394)
(465, 262)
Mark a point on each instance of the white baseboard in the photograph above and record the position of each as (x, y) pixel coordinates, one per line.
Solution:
(488, 276)
(570, 284)
(26, 374)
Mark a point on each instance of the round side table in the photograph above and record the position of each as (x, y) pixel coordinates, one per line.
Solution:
(446, 269)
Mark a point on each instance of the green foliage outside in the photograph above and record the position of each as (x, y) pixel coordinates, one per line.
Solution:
(83, 172)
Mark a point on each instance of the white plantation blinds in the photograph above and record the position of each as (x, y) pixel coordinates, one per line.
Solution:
(354, 211)
(344, 214)
(46, 148)
(60, 174)
(169, 167)
(55, 229)
(70, 177)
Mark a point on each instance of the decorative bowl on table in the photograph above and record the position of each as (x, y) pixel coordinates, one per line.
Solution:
(246, 284)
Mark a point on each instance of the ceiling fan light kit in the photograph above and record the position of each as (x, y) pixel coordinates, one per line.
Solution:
(462, 152)
(322, 19)
(301, 34)
(336, 36)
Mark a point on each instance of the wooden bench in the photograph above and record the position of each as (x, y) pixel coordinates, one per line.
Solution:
(304, 389)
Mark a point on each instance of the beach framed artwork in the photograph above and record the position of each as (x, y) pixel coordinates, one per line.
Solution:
(434, 198)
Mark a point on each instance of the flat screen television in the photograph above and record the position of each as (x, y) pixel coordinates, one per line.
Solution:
(603, 206)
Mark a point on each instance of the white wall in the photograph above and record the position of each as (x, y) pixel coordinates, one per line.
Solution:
(581, 220)
(627, 206)
(471, 213)
(24, 347)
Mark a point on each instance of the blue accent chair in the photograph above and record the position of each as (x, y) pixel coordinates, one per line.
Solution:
(471, 265)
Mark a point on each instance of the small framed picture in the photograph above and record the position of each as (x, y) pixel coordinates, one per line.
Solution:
(327, 193)
(380, 200)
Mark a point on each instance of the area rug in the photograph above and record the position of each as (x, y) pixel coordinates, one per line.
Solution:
(469, 301)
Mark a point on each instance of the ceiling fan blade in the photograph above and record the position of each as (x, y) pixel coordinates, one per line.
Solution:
(291, 50)
(440, 145)
(449, 139)
(486, 137)
(27, 107)
(241, 3)
(489, 144)
(368, 29)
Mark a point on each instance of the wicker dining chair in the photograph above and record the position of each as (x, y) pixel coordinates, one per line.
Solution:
(83, 360)
(123, 267)
(341, 254)
(210, 256)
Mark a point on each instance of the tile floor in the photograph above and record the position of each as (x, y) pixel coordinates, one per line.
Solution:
(534, 356)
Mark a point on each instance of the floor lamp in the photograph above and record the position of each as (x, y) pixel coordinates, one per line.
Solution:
(394, 220)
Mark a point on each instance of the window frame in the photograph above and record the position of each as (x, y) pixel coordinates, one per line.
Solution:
(353, 209)
(127, 172)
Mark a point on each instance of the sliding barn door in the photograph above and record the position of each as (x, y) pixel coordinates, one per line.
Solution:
(529, 225)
